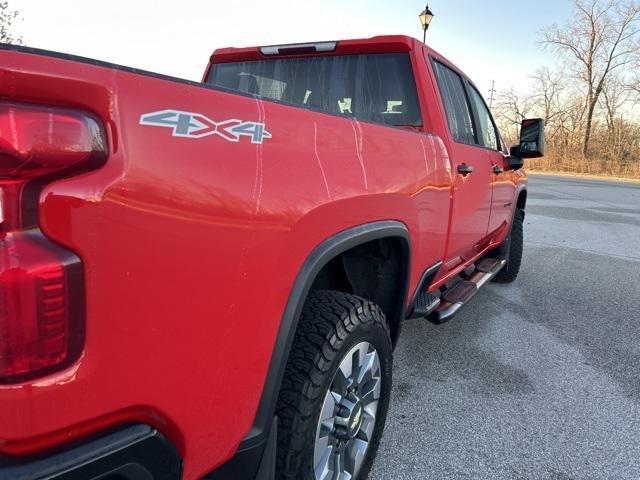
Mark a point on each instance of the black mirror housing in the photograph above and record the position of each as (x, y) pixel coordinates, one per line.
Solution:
(515, 162)
(531, 139)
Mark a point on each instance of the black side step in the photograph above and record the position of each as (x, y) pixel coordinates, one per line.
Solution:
(423, 302)
(459, 295)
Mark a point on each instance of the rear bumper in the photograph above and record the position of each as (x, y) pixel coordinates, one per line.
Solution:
(137, 452)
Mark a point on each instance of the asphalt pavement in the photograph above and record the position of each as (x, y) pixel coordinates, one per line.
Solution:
(538, 379)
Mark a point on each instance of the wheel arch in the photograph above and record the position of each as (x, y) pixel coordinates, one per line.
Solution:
(319, 257)
(370, 270)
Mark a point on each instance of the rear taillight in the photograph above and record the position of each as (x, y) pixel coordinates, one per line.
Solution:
(41, 283)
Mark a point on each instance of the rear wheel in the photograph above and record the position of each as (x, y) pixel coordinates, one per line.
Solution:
(335, 393)
(511, 251)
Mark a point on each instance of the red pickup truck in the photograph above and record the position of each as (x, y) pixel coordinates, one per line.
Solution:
(208, 279)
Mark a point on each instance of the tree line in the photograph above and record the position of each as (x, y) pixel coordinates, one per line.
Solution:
(590, 101)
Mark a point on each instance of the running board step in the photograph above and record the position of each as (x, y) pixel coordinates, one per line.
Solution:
(459, 295)
(490, 265)
(425, 303)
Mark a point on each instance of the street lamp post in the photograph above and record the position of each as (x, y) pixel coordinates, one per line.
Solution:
(425, 19)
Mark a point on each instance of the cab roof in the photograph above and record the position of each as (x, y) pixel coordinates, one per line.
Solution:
(378, 44)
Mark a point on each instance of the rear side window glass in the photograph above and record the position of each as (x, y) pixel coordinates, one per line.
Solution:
(455, 102)
(487, 135)
(378, 87)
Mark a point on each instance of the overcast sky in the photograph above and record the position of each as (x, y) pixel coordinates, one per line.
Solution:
(489, 40)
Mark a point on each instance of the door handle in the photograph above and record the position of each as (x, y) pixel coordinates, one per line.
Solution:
(465, 169)
(498, 169)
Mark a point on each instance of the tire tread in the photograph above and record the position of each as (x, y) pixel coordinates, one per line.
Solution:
(328, 319)
(510, 271)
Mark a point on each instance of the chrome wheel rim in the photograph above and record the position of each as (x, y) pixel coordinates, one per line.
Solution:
(348, 415)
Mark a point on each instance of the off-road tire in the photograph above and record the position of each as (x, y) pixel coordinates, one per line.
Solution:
(331, 323)
(513, 253)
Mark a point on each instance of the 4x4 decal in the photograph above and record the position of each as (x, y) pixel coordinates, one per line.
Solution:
(196, 125)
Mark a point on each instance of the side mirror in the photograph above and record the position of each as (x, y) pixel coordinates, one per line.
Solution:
(531, 139)
(514, 162)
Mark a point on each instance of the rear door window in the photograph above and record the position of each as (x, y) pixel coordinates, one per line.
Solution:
(456, 104)
(377, 87)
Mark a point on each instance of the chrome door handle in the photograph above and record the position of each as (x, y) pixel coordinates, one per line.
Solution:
(498, 169)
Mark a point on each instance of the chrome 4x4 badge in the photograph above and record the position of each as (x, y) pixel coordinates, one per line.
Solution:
(196, 125)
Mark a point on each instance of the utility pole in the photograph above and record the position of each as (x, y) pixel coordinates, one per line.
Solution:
(492, 91)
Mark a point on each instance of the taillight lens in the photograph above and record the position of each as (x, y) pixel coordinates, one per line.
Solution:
(41, 306)
(41, 283)
(39, 144)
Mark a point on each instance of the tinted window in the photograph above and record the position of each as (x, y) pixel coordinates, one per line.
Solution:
(379, 88)
(455, 104)
(487, 135)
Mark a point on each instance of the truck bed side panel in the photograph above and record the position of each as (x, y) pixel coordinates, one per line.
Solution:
(191, 245)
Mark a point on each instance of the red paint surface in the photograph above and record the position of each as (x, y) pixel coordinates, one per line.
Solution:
(191, 246)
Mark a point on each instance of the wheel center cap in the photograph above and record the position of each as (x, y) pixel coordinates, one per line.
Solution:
(355, 420)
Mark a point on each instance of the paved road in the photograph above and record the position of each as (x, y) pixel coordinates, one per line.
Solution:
(539, 379)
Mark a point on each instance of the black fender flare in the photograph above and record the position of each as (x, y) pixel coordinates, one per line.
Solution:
(522, 187)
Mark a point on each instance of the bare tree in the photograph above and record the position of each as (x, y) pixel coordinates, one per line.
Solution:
(615, 94)
(510, 108)
(601, 39)
(548, 87)
(7, 16)
(634, 83)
